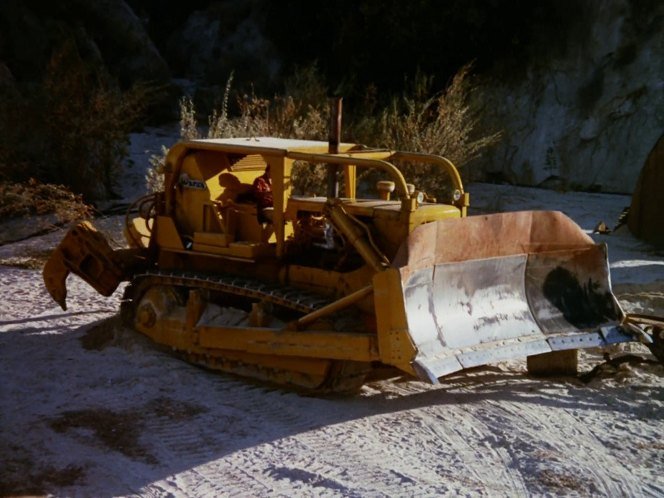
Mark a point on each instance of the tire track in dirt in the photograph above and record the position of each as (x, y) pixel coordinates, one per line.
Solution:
(443, 444)
(235, 425)
(555, 464)
(284, 418)
(308, 466)
(457, 441)
(473, 434)
(240, 465)
(219, 479)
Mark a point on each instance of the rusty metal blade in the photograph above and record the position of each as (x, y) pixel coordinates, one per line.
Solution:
(545, 290)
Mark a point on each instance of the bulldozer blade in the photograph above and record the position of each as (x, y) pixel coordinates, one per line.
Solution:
(85, 252)
(524, 284)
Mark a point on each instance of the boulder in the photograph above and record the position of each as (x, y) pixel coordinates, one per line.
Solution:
(646, 213)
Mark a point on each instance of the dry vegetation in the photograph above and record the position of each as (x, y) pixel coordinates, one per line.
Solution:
(419, 120)
(439, 123)
(34, 198)
(70, 129)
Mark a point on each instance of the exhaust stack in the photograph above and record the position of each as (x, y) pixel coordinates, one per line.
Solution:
(334, 138)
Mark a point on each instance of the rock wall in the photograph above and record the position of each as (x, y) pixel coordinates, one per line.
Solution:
(224, 37)
(587, 116)
(106, 32)
(580, 101)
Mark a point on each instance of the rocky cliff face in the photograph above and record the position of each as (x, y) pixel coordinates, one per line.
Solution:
(580, 101)
(221, 38)
(106, 32)
(587, 116)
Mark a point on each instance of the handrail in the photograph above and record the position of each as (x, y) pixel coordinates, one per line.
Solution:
(433, 159)
(391, 169)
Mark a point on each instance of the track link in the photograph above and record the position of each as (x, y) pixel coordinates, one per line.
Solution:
(342, 377)
(281, 295)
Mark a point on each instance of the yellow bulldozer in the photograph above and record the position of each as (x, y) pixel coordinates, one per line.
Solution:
(316, 292)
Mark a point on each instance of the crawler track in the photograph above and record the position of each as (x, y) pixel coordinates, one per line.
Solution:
(281, 295)
(334, 376)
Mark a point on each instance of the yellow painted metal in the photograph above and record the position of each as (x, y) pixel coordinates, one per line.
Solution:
(309, 344)
(85, 252)
(464, 202)
(360, 238)
(203, 225)
(392, 171)
(330, 283)
(279, 369)
(245, 250)
(443, 162)
(280, 170)
(241, 223)
(350, 180)
(338, 305)
(432, 212)
(266, 146)
(160, 316)
(137, 233)
(167, 234)
(394, 342)
(380, 154)
(202, 195)
(321, 281)
(219, 240)
(171, 332)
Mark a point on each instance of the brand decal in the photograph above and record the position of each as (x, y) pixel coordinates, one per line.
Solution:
(187, 182)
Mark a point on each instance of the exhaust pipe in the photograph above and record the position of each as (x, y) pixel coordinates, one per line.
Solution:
(334, 138)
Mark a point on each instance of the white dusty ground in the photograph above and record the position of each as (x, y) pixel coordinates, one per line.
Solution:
(89, 408)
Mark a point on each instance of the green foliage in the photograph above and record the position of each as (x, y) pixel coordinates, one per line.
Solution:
(72, 128)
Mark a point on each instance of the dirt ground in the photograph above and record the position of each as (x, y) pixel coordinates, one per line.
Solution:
(90, 408)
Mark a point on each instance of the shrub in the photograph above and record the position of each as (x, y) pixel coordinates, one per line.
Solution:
(435, 123)
(419, 120)
(72, 128)
(300, 114)
(35, 198)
